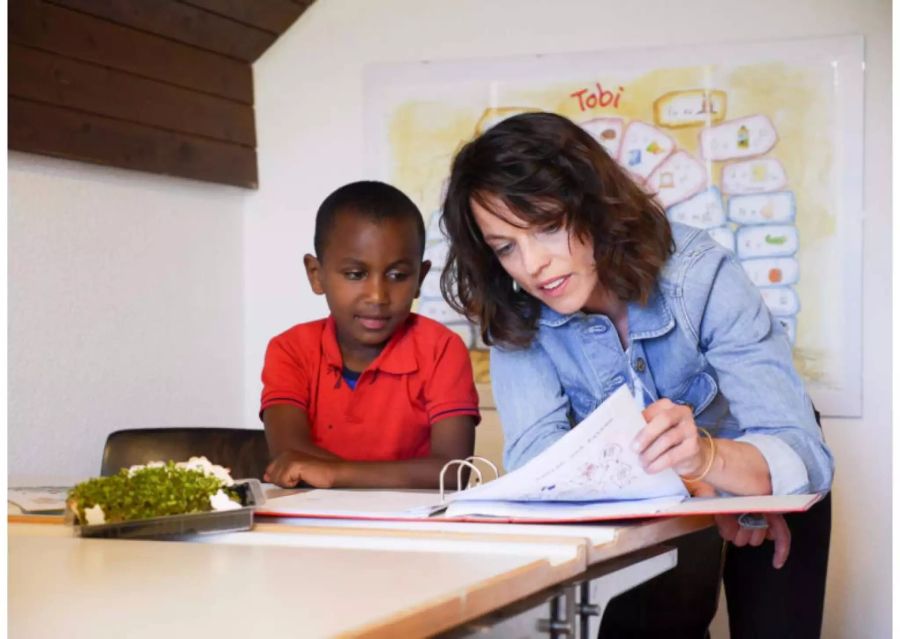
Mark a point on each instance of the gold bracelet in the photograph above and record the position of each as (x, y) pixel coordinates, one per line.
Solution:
(712, 458)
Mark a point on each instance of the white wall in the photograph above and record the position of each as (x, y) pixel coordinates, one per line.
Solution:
(124, 309)
(310, 106)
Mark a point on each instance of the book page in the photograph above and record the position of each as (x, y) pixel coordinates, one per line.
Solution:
(362, 503)
(561, 510)
(592, 462)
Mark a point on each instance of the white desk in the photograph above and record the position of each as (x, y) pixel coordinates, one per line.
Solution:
(300, 585)
(318, 577)
(300, 580)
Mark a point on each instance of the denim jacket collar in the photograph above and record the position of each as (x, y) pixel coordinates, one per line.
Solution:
(644, 322)
(652, 320)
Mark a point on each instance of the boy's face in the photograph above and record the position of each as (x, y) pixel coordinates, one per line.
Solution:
(370, 274)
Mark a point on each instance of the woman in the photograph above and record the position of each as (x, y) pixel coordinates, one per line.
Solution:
(580, 284)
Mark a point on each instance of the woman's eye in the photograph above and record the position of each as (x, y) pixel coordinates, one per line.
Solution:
(551, 228)
(502, 250)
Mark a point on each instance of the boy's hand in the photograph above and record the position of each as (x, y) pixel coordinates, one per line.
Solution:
(291, 467)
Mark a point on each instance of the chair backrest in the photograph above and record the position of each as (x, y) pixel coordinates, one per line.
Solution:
(242, 450)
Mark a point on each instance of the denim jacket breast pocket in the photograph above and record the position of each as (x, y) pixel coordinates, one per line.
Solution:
(697, 392)
(582, 402)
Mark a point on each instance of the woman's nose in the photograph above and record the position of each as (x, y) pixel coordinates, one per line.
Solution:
(534, 258)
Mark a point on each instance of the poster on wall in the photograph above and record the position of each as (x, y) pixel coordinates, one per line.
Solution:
(759, 144)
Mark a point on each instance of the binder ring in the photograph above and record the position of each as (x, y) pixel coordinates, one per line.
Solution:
(468, 462)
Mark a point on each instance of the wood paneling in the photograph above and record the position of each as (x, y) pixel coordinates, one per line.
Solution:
(53, 79)
(182, 22)
(74, 135)
(272, 15)
(164, 86)
(73, 34)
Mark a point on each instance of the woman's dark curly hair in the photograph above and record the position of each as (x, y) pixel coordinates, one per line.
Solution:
(549, 171)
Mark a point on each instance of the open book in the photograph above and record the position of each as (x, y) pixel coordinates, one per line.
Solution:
(589, 474)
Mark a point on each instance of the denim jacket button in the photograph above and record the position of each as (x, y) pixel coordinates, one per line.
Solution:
(599, 327)
(640, 365)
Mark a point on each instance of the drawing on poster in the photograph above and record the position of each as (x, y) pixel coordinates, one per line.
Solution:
(762, 151)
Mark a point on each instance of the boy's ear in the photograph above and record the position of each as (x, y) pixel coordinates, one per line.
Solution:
(423, 271)
(313, 271)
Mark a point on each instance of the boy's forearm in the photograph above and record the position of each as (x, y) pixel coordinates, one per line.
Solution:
(409, 473)
(308, 448)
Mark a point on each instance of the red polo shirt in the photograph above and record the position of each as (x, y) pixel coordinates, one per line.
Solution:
(422, 376)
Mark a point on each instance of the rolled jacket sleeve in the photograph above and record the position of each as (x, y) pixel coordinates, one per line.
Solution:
(786, 469)
(752, 359)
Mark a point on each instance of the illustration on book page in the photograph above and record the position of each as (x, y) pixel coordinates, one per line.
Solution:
(592, 462)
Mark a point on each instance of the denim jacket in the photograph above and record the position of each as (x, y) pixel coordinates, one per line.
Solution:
(705, 339)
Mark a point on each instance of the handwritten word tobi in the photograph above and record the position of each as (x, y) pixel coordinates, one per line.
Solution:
(590, 99)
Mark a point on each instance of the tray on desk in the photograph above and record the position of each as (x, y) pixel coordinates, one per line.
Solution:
(176, 526)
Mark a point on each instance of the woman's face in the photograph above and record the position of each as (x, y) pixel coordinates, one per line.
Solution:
(549, 264)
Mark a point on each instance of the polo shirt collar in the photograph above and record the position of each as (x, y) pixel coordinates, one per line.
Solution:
(397, 357)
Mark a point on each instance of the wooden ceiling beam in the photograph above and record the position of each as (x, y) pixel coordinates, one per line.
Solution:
(274, 16)
(183, 23)
(53, 79)
(164, 86)
(45, 26)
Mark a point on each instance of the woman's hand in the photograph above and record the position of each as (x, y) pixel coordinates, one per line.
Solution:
(671, 440)
(777, 530)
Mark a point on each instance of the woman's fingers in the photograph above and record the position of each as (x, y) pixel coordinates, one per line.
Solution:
(658, 420)
(728, 526)
(669, 440)
(677, 457)
(780, 533)
(757, 536)
(656, 408)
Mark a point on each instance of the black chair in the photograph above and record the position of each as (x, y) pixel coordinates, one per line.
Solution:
(242, 450)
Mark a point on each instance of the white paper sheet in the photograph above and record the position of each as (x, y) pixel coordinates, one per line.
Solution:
(39, 499)
(561, 510)
(592, 462)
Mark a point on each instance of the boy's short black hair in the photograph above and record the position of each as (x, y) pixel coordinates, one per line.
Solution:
(372, 199)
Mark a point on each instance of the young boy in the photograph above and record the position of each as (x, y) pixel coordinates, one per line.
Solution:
(372, 396)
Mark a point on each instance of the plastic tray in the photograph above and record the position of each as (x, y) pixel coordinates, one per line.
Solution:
(176, 526)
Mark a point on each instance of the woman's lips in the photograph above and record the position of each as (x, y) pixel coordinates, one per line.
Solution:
(554, 287)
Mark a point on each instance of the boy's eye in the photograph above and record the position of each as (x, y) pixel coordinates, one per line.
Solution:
(397, 276)
(354, 275)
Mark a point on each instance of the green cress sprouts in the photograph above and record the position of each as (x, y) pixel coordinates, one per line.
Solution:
(148, 492)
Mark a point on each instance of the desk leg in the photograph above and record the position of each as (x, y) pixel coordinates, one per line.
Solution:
(586, 609)
(558, 627)
(616, 577)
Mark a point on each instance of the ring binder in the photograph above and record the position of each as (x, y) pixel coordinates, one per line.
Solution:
(468, 462)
